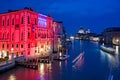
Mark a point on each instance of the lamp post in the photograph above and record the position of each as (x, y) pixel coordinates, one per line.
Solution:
(117, 41)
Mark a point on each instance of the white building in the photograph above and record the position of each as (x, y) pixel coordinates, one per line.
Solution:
(87, 31)
(81, 31)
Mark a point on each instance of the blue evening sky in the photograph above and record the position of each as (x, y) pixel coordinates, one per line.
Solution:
(93, 14)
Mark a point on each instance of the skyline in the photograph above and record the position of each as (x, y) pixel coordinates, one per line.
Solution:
(92, 14)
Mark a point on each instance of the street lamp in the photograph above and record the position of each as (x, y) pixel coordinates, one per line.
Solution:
(117, 41)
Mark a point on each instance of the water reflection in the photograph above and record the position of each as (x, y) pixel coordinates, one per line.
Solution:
(78, 64)
(94, 61)
(42, 72)
(12, 77)
(113, 60)
(60, 64)
(117, 49)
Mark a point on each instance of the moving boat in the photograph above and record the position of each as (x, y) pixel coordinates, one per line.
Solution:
(79, 57)
(78, 62)
(107, 49)
(64, 57)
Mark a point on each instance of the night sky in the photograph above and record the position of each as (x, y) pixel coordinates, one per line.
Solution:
(93, 14)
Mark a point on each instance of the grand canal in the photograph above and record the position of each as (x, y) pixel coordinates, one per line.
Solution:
(95, 65)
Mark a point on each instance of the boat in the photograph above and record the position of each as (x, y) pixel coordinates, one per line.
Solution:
(64, 57)
(107, 49)
(68, 41)
(77, 38)
(78, 57)
(78, 62)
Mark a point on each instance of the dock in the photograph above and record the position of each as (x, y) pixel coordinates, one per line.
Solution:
(27, 65)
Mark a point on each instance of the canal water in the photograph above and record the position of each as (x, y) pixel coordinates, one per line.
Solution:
(94, 65)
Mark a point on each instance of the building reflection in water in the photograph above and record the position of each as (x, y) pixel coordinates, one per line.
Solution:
(117, 49)
(12, 77)
(112, 59)
(45, 71)
(42, 71)
(60, 64)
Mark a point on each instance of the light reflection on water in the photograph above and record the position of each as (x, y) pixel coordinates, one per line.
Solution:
(117, 49)
(94, 61)
(12, 77)
(112, 59)
(78, 65)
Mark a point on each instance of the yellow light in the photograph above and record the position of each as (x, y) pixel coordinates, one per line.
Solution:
(42, 69)
(12, 49)
(117, 40)
(41, 49)
(12, 77)
(60, 54)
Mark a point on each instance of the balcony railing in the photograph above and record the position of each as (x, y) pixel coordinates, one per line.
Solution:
(4, 39)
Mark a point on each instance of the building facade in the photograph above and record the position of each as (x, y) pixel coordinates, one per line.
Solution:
(112, 35)
(25, 32)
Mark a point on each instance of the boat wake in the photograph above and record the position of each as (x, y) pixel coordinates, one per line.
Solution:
(78, 61)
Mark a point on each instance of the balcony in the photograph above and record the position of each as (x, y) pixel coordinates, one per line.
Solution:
(4, 39)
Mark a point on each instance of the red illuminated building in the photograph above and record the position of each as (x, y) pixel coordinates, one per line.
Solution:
(25, 32)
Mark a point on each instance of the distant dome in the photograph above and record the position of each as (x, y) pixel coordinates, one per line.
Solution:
(81, 30)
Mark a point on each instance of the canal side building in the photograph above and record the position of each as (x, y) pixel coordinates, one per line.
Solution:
(112, 35)
(25, 32)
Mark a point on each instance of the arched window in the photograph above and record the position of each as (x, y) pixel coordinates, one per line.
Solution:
(3, 23)
(12, 36)
(7, 35)
(8, 22)
(12, 21)
(22, 20)
(22, 36)
(28, 19)
(35, 21)
(35, 35)
(3, 36)
(28, 34)
(28, 45)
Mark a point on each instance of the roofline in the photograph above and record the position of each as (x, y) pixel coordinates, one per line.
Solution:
(24, 10)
